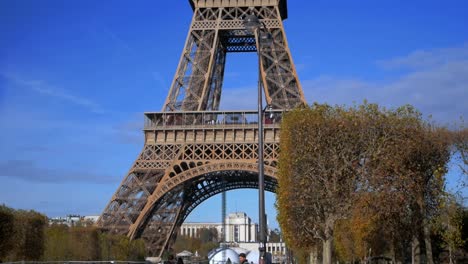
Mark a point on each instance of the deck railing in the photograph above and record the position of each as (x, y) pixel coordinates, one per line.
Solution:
(168, 120)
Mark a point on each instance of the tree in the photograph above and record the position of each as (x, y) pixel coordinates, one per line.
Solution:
(319, 172)
(331, 157)
(57, 239)
(34, 241)
(6, 231)
(460, 142)
(84, 242)
(423, 163)
(362, 234)
(28, 235)
(406, 172)
(208, 235)
(275, 236)
(203, 244)
(120, 247)
(450, 225)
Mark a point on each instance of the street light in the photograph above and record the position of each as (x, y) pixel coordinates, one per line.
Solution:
(253, 24)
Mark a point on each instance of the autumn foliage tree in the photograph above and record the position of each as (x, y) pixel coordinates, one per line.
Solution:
(22, 234)
(409, 174)
(450, 224)
(6, 231)
(319, 173)
(361, 234)
(25, 235)
(460, 142)
(336, 161)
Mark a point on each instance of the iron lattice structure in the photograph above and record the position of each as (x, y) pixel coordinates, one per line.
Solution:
(216, 29)
(192, 151)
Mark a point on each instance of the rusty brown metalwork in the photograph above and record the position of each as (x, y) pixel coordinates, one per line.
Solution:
(192, 151)
(216, 29)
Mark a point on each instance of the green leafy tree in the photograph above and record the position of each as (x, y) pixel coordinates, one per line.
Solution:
(192, 244)
(208, 235)
(57, 243)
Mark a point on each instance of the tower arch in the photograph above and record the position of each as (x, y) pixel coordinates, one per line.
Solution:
(191, 140)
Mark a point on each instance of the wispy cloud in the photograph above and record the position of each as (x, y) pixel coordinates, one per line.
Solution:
(43, 88)
(163, 83)
(130, 131)
(242, 98)
(425, 59)
(436, 82)
(117, 40)
(27, 170)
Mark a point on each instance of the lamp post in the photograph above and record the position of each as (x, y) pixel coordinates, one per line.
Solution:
(253, 24)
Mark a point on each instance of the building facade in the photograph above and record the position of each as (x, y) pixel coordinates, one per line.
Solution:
(72, 220)
(239, 228)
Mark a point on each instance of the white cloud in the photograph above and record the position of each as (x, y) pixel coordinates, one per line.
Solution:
(423, 59)
(436, 83)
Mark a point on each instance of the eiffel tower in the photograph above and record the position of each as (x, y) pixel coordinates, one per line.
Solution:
(192, 150)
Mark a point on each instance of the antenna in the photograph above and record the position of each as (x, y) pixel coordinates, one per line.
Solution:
(223, 233)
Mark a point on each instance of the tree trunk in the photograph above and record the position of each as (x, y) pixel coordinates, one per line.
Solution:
(313, 256)
(450, 255)
(327, 250)
(427, 241)
(415, 250)
(328, 240)
(393, 252)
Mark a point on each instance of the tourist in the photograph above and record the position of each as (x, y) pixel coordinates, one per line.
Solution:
(243, 259)
(180, 261)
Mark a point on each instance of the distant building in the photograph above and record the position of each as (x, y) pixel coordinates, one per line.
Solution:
(72, 220)
(91, 218)
(239, 228)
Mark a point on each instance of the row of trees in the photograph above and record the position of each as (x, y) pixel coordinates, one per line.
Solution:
(363, 181)
(22, 234)
(205, 241)
(26, 235)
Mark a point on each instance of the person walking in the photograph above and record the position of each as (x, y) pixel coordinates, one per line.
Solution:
(180, 260)
(243, 259)
(170, 260)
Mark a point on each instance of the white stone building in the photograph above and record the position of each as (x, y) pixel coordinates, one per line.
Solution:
(72, 220)
(239, 228)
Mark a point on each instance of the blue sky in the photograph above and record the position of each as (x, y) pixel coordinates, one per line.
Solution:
(76, 76)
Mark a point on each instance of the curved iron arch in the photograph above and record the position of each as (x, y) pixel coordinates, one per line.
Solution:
(188, 189)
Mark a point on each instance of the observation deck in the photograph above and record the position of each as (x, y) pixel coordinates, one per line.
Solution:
(282, 4)
(210, 127)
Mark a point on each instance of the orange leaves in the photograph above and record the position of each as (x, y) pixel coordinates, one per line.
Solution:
(336, 160)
